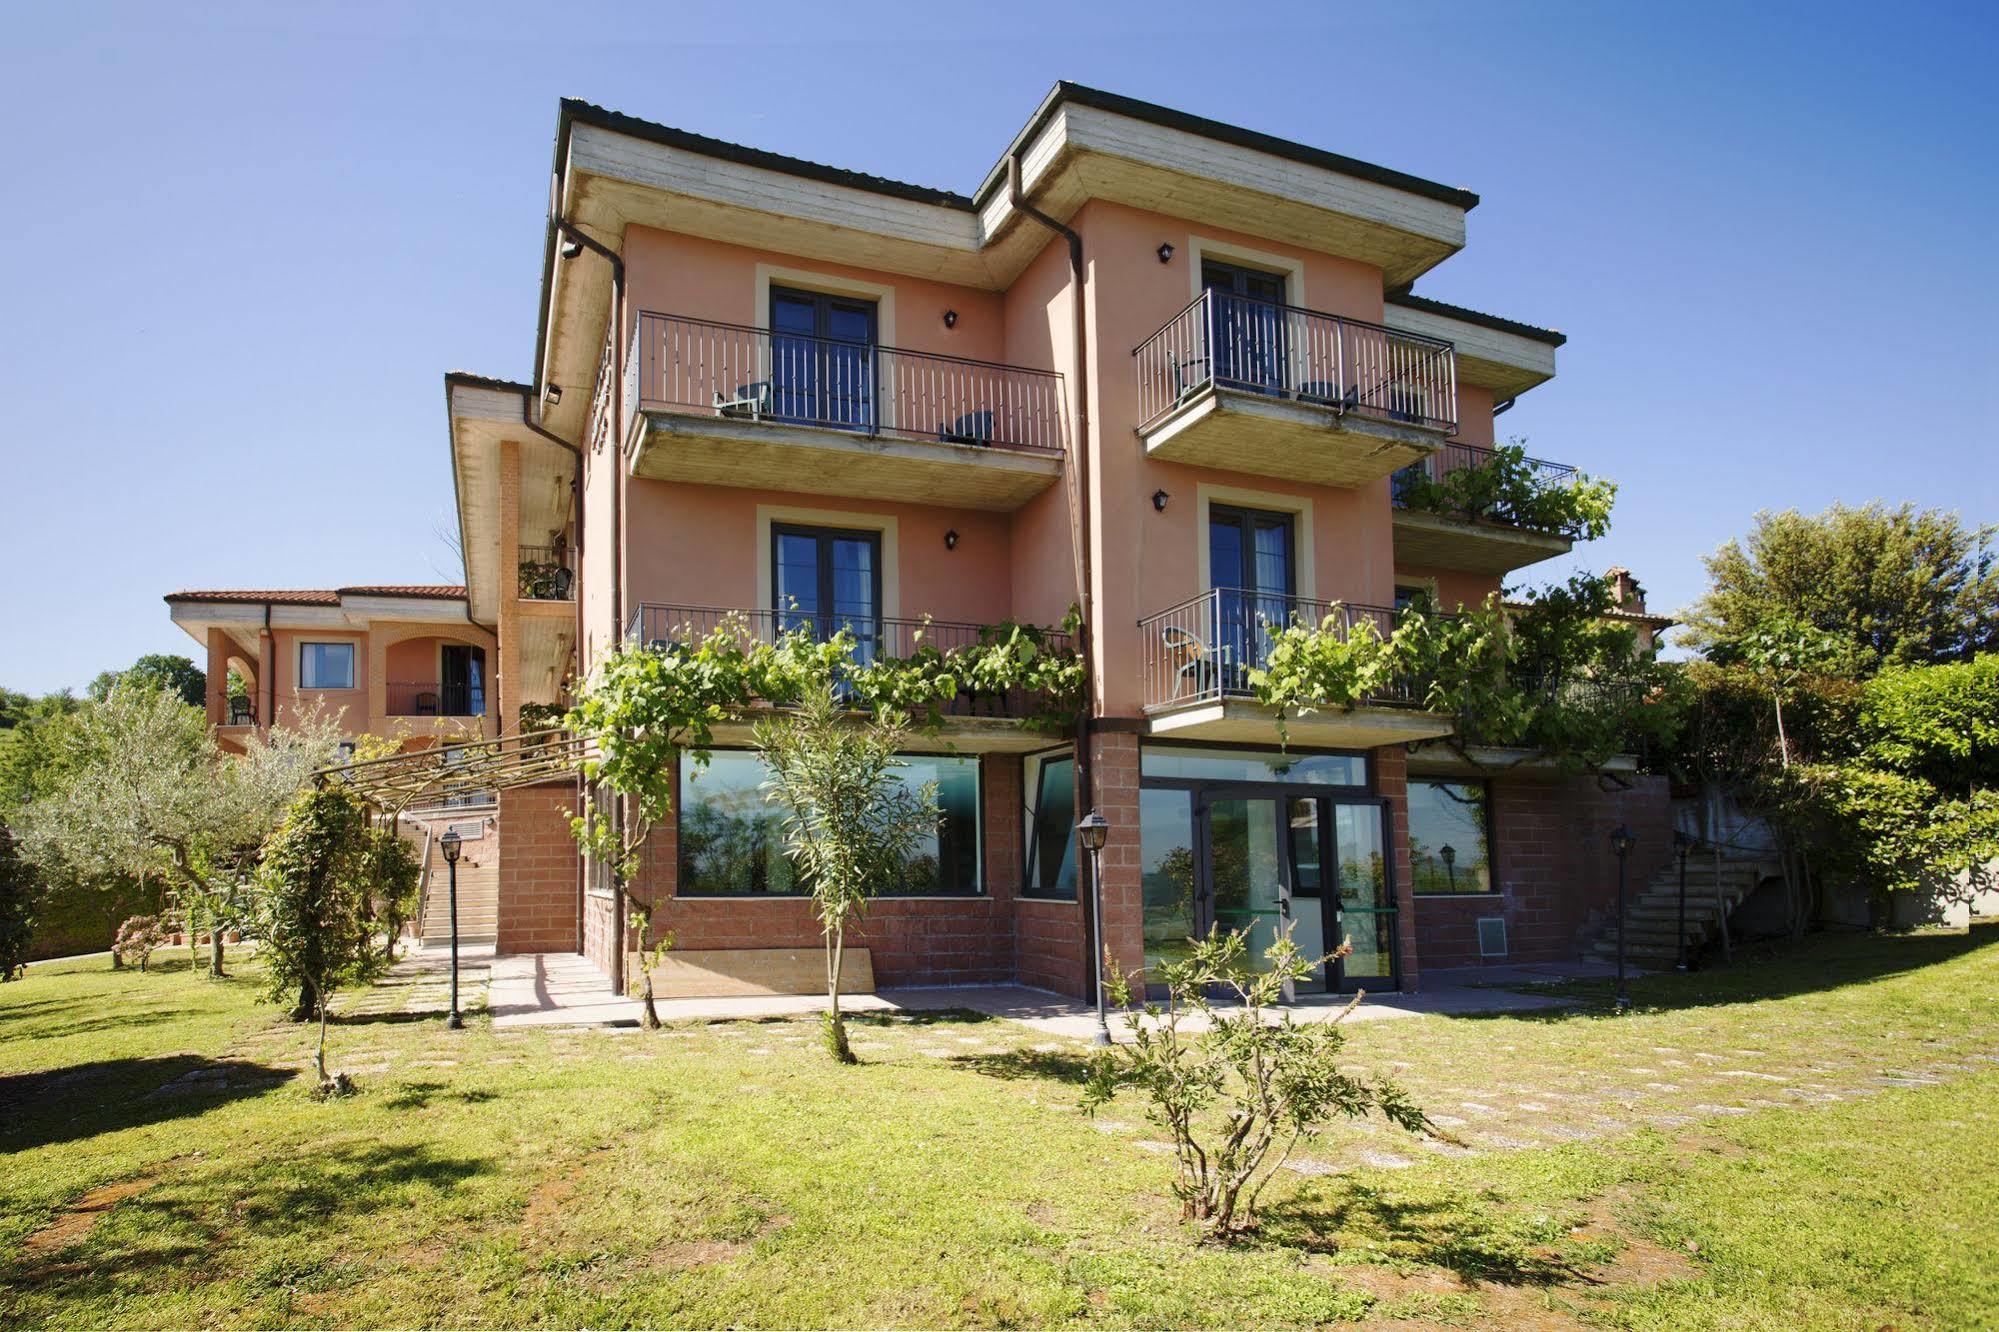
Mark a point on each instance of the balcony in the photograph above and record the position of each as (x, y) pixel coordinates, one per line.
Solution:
(428, 698)
(1195, 661)
(975, 721)
(726, 405)
(545, 574)
(1245, 386)
(1468, 508)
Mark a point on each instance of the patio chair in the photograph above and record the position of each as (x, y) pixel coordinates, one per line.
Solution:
(1185, 382)
(752, 401)
(971, 428)
(241, 713)
(1192, 660)
(426, 705)
(1326, 393)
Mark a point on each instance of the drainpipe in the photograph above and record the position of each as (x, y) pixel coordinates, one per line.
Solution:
(1079, 370)
(576, 237)
(269, 716)
(576, 590)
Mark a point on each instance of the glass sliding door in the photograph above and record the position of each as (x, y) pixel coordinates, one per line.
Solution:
(1246, 878)
(1366, 896)
(1251, 566)
(1169, 870)
(1248, 324)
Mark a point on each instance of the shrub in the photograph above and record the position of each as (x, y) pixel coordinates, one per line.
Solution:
(1236, 1090)
(19, 901)
(137, 940)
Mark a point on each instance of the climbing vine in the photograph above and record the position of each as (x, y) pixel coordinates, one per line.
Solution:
(1508, 488)
(1554, 673)
(647, 704)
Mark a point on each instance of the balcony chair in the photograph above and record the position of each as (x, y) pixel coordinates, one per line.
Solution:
(1193, 661)
(971, 428)
(562, 583)
(1186, 383)
(426, 705)
(241, 713)
(1326, 393)
(752, 401)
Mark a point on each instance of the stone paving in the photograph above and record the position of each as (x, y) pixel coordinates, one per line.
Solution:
(420, 982)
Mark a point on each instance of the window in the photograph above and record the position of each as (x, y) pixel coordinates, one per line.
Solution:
(1414, 594)
(1185, 763)
(1248, 325)
(732, 839)
(829, 580)
(1450, 837)
(462, 680)
(1051, 827)
(325, 665)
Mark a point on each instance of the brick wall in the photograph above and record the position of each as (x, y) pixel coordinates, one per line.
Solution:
(1390, 768)
(1115, 758)
(1557, 873)
(537, 894)
(912, 941)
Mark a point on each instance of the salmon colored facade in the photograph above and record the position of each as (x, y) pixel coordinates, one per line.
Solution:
(398, 662)
(1166, 372)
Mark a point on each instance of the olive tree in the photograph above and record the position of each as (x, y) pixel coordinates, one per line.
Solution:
(850, 822)
(147, 793)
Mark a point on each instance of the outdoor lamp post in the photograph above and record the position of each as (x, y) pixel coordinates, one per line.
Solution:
(1621, 840)
(449, 844)
(1683, 844)
(1449, 855)
(1093, 831)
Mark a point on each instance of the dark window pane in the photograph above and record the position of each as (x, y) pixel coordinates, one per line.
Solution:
(1051, 868)
(1225, 550)
(1449, 849)
(1166, 869)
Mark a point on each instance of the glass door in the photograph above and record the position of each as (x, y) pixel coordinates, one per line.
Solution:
(1248, 323)
(1366, 906)
(825, 580)
(1248, 886)
(822, 358)
(1252, 568)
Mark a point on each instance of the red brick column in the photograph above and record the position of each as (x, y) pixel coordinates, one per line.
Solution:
(1390, 767)
(1114, 757)
(537, 893)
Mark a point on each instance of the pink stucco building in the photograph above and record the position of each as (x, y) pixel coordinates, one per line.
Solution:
(1158, 368)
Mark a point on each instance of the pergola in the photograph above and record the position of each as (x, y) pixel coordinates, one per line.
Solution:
(473, 767)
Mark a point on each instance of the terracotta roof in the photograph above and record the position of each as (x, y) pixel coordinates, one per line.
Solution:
(318, 596)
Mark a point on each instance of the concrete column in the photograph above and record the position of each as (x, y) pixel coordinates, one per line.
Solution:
(219, 648)
(507, 668)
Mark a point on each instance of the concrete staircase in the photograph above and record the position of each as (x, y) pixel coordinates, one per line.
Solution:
(1652, 916)
(478, 895)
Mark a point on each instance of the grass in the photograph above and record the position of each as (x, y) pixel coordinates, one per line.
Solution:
(165, 1167)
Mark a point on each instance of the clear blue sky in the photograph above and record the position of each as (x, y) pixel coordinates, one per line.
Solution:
(245, 243)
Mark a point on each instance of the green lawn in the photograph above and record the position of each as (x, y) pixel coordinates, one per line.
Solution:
(1802, 1142)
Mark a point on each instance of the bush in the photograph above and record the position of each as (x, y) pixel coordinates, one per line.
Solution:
(1238, 1096)
(19, 902)
(138, 938)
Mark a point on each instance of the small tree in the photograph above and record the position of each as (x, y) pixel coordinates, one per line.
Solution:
(312, 908)
(394, 878)
(651, 952)
(850, 822)
(1236, 1090)
(19, 900)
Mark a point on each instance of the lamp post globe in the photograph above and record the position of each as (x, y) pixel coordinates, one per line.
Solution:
(1093, 830)
(451, 844)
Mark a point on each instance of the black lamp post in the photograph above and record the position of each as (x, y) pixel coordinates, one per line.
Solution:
(1621, 840)
(1683, 844)
(449, 844)
(1093, 831)
(1449, 854)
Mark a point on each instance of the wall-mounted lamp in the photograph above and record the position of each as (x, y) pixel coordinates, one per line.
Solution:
(552, 394)
(1159, 498)
(572, 250)
(950, 319)
(951, 539)
(1165, 253)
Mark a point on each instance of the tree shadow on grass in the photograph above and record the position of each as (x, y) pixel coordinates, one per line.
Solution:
(84, 1100)
(188, 1224)
(918, 1017)
(1784, 969)
(120, 1021)
(1022, 1065)
(1452, 1234)
(421, 1095)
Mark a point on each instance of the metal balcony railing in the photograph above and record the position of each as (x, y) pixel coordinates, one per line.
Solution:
(1205, 647)
(1285, 352)
(707, 368)
(881, 638)
(545, 574)
(428, 698)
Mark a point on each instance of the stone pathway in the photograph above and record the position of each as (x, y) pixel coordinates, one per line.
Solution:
(420, 983)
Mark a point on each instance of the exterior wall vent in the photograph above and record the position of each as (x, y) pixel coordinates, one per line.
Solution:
(1492, 936)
